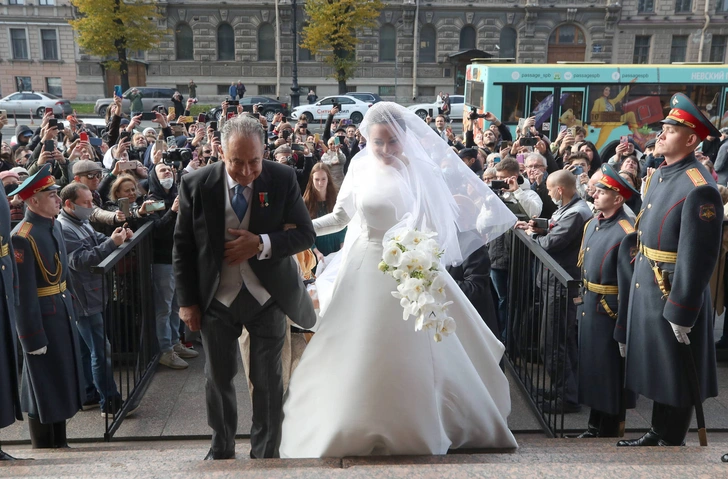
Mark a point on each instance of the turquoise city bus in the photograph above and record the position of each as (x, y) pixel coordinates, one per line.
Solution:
(609, 101)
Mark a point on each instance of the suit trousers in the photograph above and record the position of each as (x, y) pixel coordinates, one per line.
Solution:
(221, 328)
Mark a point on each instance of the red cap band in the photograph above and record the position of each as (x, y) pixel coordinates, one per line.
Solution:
(37, 187)
(686, 119)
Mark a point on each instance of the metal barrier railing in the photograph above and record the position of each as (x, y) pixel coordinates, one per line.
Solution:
(129, 322)
(541, 337)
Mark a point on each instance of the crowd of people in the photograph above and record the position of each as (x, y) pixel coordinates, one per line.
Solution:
(77, 193)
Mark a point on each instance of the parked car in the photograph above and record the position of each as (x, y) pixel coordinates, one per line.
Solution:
(21, 104)
(456, 107)
(269, 107)
(351, 108)
(366, 97)
(154, 99)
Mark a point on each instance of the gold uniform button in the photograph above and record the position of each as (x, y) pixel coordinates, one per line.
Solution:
(63, 295)
(583, 313)
(649, 205)
(597, 228)
(636, 285)
(586, 249)
(660, 180)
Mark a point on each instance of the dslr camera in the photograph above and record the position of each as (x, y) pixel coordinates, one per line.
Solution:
(177, 158)
(290, 161)
(474, 115)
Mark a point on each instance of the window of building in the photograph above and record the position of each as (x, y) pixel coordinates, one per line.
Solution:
(428, 44)
(717, 48)
(426, 92)
(49, 41)
(567, 35)
(467, 38)
(641, 49)
(266, 42)
(19, 40)
(183, 41)
(54, 86)
(304, 55)
(136, 54)
(387, 91)
(679, 48)
(17, 2)
(225, 42)
(507, 44)
(683, 6)
(46, 2)
(722, 6)
(387, 43)
(23, 84)
(223, 89)
(645, 6)
(266, 89)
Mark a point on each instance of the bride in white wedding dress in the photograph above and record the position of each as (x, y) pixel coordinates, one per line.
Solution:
(367, 382)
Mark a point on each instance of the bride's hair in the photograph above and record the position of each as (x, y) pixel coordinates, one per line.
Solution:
(384, 113)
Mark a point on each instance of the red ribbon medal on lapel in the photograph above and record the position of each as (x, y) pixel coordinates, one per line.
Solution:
(263, 199)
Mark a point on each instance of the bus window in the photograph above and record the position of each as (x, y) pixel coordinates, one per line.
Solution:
(541, 101)
(707, 99)
(724, 118)
(572, 103)
(514, 97)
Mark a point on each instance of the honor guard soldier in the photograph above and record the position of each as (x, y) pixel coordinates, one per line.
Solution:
(670, 357)
(9, 400)
(52, 387)
(600, 364)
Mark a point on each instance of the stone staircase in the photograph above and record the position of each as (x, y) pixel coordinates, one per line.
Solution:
(535, 457)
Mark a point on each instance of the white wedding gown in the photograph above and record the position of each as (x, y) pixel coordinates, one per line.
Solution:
(368, 383)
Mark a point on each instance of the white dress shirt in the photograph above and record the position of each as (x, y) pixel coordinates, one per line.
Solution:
(234, 278)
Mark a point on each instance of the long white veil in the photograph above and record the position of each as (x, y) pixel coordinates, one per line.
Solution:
(442, 194)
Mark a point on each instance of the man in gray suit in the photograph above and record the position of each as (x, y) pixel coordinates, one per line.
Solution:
(240, 222)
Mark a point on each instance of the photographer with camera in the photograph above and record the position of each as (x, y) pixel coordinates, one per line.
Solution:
(284, 155)
(492, 138)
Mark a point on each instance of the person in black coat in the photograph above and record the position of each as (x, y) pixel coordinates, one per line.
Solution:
(52, 380)
(473, 277)
(9, 399)
(670, 314)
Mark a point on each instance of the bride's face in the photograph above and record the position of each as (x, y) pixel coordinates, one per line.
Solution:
(384, 143)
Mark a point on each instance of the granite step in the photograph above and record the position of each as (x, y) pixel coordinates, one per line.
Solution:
(536, 457)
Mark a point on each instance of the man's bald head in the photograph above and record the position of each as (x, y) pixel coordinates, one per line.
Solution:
(564, 179)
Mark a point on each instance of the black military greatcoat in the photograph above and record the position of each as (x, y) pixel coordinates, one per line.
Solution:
(52, 384)
(682, 213)
(600, 364)
(9, 400)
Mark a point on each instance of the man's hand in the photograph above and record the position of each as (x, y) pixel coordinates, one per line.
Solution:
(45, 157)
(622, 350)
(537, 177)
(160, 119)
(118, 236)
(541, 147)
(521, 225)
(190, 102)
(120, 216)
(532, 228)
(191, 316)
(512, 183)
(175, 205)
(681, 333)
(242, 248)
(334, 111)
(135, 121)
(157, 157)
(491, 118)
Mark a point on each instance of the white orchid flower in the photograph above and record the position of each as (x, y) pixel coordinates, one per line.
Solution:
(437, 288)
(392, 255)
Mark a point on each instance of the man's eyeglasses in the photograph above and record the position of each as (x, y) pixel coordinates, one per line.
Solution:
(27, 155)
(93, 176)
(206, 152)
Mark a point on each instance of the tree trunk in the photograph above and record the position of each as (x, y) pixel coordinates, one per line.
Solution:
(342, 83)
(123, 68)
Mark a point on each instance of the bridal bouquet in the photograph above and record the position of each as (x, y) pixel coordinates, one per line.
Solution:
(412, 258)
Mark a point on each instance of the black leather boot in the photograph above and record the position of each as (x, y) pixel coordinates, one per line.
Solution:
(651, 438)
(59, 435)
(609, 426)
(4, 456)
(592, 428)
(41, 435)
(676, 422)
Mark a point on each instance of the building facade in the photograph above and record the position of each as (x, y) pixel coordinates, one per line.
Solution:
(37, 48)
(216, 43)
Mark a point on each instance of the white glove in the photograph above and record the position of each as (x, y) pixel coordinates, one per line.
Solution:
(40, 351)
(681, 333)
(622, 349)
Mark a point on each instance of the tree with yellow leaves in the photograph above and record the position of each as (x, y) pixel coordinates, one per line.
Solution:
(331, 31)
(108, 28)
